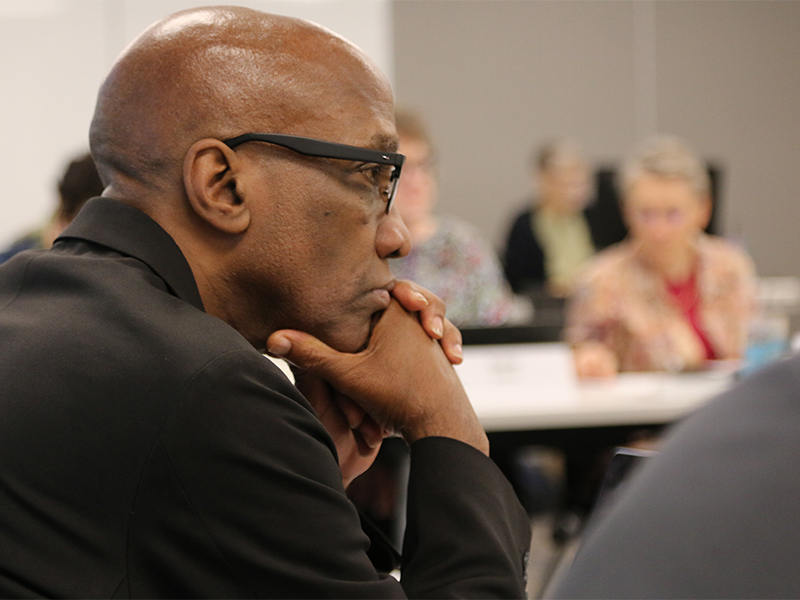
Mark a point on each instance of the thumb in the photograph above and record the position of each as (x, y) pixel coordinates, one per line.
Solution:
(305, 351)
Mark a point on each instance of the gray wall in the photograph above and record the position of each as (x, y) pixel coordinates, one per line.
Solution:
(495, 78)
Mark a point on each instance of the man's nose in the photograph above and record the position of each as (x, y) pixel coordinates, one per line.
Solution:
(392, 239)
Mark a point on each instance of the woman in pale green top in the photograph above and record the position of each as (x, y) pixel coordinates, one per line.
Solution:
(549, 242)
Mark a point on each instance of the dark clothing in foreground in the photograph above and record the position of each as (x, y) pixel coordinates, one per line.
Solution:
(714, 515)
(148, 450)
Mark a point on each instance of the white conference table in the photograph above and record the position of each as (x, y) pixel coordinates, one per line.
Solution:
(526, 387)
(523, 387)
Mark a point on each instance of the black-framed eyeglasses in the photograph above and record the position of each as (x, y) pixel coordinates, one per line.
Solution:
(385, 179)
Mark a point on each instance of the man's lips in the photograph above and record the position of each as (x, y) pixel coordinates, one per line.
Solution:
(384, 297)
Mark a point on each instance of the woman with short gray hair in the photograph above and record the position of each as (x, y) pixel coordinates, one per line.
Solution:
(669, 297)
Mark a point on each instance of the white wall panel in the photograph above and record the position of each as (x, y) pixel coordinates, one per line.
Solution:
(55, 53)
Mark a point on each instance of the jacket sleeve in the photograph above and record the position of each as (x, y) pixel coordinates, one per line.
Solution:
(243, 497)
(467, 534)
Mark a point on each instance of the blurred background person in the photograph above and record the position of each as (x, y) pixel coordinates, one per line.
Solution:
(669, 297)
(448, 256)
(553, 237)
(79, 182)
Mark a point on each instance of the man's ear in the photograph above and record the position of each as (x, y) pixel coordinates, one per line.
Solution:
(210, 170)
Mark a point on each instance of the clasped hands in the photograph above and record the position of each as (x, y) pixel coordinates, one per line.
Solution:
(402, 383)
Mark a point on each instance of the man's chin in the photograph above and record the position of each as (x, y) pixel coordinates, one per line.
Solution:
(373, 321)
(351, 336)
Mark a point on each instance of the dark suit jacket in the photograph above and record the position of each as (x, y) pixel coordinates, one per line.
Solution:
(147, 450)
(715, 514)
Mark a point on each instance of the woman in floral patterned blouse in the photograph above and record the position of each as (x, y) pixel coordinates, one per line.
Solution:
(669, 297)
(448, 256)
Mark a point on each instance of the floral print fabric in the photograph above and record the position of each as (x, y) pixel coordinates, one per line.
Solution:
(459, 267)
(625, 305)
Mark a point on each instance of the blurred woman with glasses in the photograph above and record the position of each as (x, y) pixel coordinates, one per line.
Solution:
(448, 256)
(669, 297)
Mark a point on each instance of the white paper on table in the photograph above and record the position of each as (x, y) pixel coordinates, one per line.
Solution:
(499, 379)
(655, 389)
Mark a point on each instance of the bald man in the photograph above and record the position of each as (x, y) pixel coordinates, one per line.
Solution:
(147, 447)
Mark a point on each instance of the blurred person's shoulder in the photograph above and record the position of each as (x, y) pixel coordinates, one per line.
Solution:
(30, 241)
(721, 255)
(610, 266)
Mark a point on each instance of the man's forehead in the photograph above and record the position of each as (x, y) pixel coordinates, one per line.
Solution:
(385, 142)
(352, 124)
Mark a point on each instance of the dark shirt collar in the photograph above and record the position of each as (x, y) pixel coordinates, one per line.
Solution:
(129, 231)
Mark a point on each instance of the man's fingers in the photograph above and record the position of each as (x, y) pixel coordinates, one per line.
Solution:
(432, 317)
(431, 309)
(451, 343)
(303, 350)
(411, 296)
(438, 327)
(354, 414)
(371, 433)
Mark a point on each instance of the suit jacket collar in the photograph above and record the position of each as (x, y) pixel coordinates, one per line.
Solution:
(129, 231)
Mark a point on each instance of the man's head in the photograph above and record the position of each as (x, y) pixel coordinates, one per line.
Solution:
(276, 239)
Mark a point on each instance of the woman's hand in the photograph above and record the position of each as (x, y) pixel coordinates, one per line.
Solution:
(594, 359)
